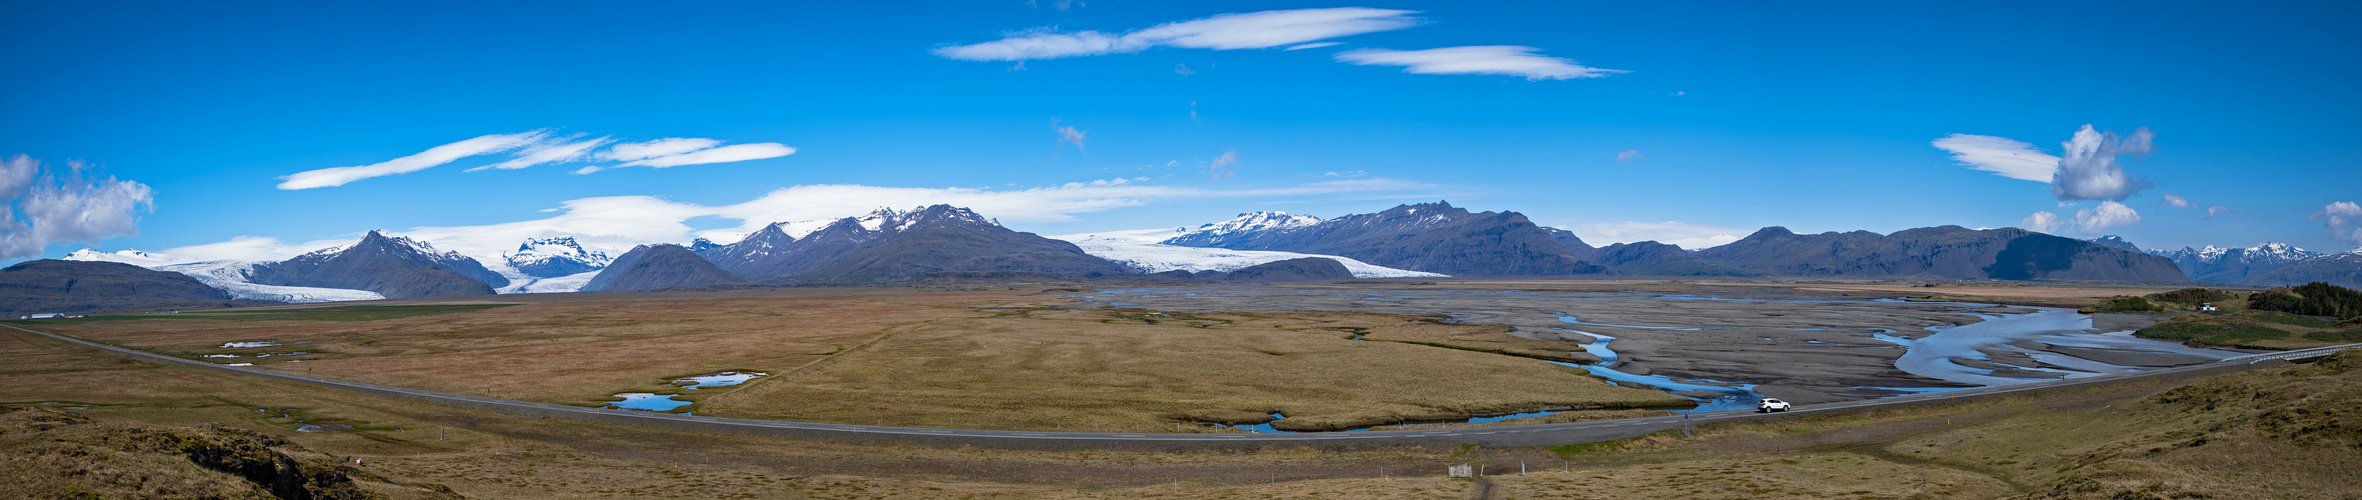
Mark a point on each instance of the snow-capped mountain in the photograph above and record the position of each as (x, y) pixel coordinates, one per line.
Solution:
(890, 244)
(1140, 250)
(554, 257)
(1246, 224)
(2234, 265)
(391, 266)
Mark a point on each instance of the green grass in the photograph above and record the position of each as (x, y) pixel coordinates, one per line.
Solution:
(2354, 335)
(340, 313)
(2297, 319)
(2212, 334)
(2123, 305)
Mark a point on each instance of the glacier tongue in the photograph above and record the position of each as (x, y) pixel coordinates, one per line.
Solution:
(230, 276)
(1139, 249)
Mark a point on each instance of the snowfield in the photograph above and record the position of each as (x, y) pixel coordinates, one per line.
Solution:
(1139, 249)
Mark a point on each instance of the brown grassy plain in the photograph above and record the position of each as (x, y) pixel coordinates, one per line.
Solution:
(991, 360)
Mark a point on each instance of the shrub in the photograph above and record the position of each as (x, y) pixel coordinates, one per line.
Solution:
(2313, 299)
(2123, 304)
(2190, 297)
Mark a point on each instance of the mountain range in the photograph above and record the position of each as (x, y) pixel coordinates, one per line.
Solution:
(83, 287)
(1412, 240)
(2265, 265)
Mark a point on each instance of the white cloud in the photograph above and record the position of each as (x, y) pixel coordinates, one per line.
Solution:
(1183, 70)
(1687, 236)
(2000, 155)
(1314, 45)
(438, 155)
(631, 151)
(44, 207)
(1250, 30)
(2344, 219)
(1477, 60)
(2177, 201)
(1629, 154)
(2089, 171)
(1348, 173)
(2087, 221)
(1222, 167)
(549, 152)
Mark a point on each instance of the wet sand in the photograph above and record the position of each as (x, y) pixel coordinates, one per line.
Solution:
(1808, 351)
(2118, 357)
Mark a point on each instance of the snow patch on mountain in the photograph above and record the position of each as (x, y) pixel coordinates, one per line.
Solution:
(133, 257)
(1140, 249)
(230, 276)
(1244, 223)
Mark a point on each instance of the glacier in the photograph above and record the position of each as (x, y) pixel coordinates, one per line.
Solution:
(1139, 249)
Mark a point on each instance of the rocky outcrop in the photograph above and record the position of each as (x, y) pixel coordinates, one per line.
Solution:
(658, 267)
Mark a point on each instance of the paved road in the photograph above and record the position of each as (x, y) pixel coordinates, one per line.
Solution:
(1523, 435)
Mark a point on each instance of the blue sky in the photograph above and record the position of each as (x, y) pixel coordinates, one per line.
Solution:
(1609, 119)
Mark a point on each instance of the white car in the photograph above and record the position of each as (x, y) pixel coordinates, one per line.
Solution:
(1771, 405)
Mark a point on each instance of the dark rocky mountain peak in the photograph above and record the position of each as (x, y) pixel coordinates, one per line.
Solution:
(658, 267)
(702, 244)
(391, 266)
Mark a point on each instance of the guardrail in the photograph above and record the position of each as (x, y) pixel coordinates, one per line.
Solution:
(2290, 355)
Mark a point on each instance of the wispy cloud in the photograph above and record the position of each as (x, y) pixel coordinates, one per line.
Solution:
(1314, 45)
(1477, 60)
(1629, 154)
(1224, 166)
(549, 152)
(2177, 201)
(540, 148)
(1068, 134)
(45, 207)
(1249, 30)
(2000, 155)
(2344, 219)
(1689, 236)
(724, 154)
(438, 155)
(2087, 221)
(1183, 70)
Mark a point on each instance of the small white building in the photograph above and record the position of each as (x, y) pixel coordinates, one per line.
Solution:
(44, 315)
(2207, 308)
